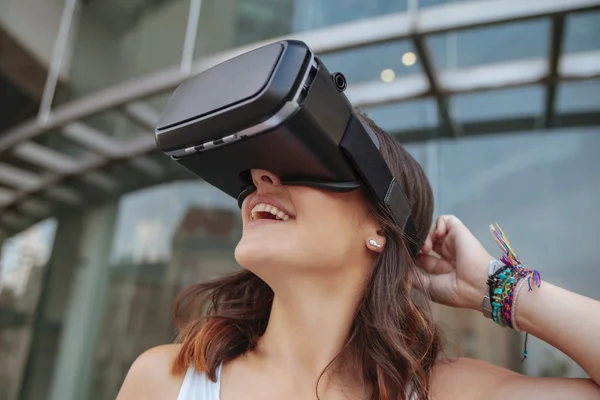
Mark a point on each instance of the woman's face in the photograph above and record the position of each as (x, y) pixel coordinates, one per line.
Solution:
(302, 229)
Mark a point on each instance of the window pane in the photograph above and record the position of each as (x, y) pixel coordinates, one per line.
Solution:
(429, 3)
(578, 97)
(500, 104)
(315, 14)
(113, 41)
(490, 44)
(23, 259)
(543, 191)
(582, 32)
(226, 24)
(406, 116)
(378, 62)
(157, 250)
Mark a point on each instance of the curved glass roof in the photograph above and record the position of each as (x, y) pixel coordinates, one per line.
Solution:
(100, 145)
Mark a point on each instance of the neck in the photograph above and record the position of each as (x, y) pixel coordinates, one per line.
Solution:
(309, 324)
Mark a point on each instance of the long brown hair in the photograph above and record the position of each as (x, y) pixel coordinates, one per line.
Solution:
(393, 339)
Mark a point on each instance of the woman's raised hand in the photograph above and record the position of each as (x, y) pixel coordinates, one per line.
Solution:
(456, 275)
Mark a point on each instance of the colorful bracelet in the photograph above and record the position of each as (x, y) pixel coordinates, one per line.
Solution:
(506, 283)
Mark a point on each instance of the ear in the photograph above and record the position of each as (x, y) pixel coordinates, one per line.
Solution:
(376, 243)
(373, 232)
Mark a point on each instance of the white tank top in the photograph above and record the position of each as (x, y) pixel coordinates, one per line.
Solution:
(197, 386)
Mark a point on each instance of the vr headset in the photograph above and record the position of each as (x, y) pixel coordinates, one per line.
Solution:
(278, 108)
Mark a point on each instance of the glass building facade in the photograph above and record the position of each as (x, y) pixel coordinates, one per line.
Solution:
(90, 265)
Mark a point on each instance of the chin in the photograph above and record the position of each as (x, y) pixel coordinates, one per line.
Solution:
(256, 256)
(267, 254)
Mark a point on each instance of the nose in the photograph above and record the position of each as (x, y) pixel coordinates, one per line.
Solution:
(264, 179)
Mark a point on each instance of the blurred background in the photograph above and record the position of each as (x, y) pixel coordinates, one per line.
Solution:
(499, 100)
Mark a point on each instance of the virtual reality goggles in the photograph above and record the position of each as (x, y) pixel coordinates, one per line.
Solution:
(279, 109)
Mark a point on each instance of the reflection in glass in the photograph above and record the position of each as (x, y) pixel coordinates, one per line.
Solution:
(314, 14)
(405, 116)
(23, 259)
(428, 3)
(582, 32)
(114, 41)
(497, 105)
(542, 190)
(226, 24)
(381, 62)
(491, 44)
(167, 237)
(578, 97)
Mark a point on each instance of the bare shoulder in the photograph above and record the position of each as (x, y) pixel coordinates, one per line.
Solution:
(465, 378)
(150, 375)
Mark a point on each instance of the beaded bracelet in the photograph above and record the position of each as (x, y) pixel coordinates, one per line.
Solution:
(506, 284)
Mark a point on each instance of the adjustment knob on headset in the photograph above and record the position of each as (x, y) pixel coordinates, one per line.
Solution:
(340, 81)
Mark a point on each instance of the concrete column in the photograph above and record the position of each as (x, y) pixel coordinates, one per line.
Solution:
(82, 318)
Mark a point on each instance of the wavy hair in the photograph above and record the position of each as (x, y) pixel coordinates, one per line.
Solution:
(393, 340)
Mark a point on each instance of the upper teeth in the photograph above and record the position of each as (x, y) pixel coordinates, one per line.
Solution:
(262, 207)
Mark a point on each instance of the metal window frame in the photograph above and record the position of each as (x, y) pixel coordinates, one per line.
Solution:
(416, 26)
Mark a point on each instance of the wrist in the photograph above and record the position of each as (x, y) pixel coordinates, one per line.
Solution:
(486, 266)
(485, 304)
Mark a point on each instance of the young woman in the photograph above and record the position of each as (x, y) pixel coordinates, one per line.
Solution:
(324, 307)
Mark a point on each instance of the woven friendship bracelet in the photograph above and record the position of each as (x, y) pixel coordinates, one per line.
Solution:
(506, 284)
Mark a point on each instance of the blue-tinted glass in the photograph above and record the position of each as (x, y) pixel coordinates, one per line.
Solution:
(262, 19)
(313, 14)
(582, 32)
(226, 24)
(23, 266)
(578, 96)
(543, 191)
(145, 231)
(120, 40)
(490, 44)
(406, 116)
(417, 150)
(368, 63)
(429, 3)
(507, 103)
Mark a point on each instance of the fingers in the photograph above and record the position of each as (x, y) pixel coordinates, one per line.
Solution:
(439, 230)
(434, 265)
(428, 245)
(444, 224)
(440, 226)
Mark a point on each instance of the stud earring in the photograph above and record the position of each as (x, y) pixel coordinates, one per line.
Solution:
(373, 243)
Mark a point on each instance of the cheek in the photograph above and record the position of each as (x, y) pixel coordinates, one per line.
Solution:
(330, 233)
(326, 234)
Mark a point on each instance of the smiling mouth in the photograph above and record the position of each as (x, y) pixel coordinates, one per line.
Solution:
(267, 211)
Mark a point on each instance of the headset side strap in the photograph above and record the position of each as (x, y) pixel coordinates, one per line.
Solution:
(369, 163)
